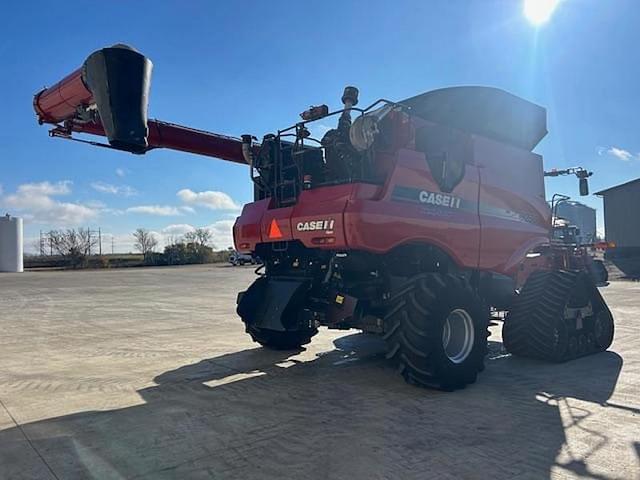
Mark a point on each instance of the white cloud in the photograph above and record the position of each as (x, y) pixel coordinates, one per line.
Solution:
(222, 234)
(178, 229)
(318, 130)
(121, 243)
(160, 210)
(46, 188)
(121, 172)
(125, 242)
(210, 199)
(123, 190)
(34, 201)
(619, 153)
(98, 205)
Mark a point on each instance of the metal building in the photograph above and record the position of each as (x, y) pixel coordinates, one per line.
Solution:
(622, 214)
(581, 216)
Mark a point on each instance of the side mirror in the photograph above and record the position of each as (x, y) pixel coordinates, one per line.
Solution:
(584, 186)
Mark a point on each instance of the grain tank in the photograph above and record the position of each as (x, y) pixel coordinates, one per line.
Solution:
(11, 249)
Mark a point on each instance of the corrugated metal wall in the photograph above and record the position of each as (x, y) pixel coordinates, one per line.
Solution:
(622, 215)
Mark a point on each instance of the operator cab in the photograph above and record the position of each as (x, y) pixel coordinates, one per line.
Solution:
(291, 160)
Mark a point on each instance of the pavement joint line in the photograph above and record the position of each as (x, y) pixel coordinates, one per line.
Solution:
(26, 437)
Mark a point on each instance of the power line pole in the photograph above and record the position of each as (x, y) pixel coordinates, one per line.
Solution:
(100, 240)
(111, 244)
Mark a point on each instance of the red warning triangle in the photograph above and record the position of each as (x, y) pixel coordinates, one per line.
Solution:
(274, 230)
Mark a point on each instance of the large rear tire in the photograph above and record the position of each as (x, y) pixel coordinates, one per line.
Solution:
(275, 340)
(436, 329)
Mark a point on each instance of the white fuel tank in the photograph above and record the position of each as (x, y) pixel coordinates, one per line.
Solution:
(11, 248)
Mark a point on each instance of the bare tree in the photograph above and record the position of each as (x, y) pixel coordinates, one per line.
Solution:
(146, 241)
(193, 247)
(37, 246)
(73, 245)
(172, 240)
(200, 236)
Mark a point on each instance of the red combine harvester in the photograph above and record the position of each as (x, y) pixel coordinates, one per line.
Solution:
(409, 221)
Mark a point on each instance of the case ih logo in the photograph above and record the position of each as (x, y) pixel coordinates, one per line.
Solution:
(315, 225)
(440, 199)
(408, 194)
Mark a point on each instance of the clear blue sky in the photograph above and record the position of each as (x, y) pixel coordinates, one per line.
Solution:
(251, 67)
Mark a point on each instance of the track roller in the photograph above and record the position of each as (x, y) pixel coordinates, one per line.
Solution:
(436, 330)
(558, 316)
(598, 272)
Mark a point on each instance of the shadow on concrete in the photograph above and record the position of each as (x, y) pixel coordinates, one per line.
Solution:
(629, 268)
(344, 414)
(626, 261)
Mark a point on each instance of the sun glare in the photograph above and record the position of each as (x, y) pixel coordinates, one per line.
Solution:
(539, 11)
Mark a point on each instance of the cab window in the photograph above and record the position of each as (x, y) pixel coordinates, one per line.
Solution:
(446, 151)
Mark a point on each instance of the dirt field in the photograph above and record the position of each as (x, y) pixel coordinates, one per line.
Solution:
(147, 374)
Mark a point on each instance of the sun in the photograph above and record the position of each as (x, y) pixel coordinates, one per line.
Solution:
(539, 11)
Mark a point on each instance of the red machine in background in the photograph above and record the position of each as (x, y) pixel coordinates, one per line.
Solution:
(409, 221)
(566, 237)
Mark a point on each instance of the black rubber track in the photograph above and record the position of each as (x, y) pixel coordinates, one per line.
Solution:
(413, 331)
(598, 272)
(536, 326)
(275, 340)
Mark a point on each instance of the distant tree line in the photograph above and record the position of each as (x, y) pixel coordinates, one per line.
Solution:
(74, 247)
(193, 247)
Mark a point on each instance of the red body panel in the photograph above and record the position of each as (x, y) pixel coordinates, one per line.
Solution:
(324, 205)
(381, 225)
(247, 231)
(254, 225)
(514, 215)
(494, 217)
(281, 230)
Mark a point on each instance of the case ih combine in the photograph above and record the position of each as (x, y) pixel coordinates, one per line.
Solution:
(409, 220)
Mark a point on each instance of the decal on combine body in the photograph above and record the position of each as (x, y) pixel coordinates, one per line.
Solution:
(408, 194)
(445, 202)
(316, 225)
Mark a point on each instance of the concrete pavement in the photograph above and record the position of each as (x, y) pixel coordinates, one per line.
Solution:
(147, 373)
